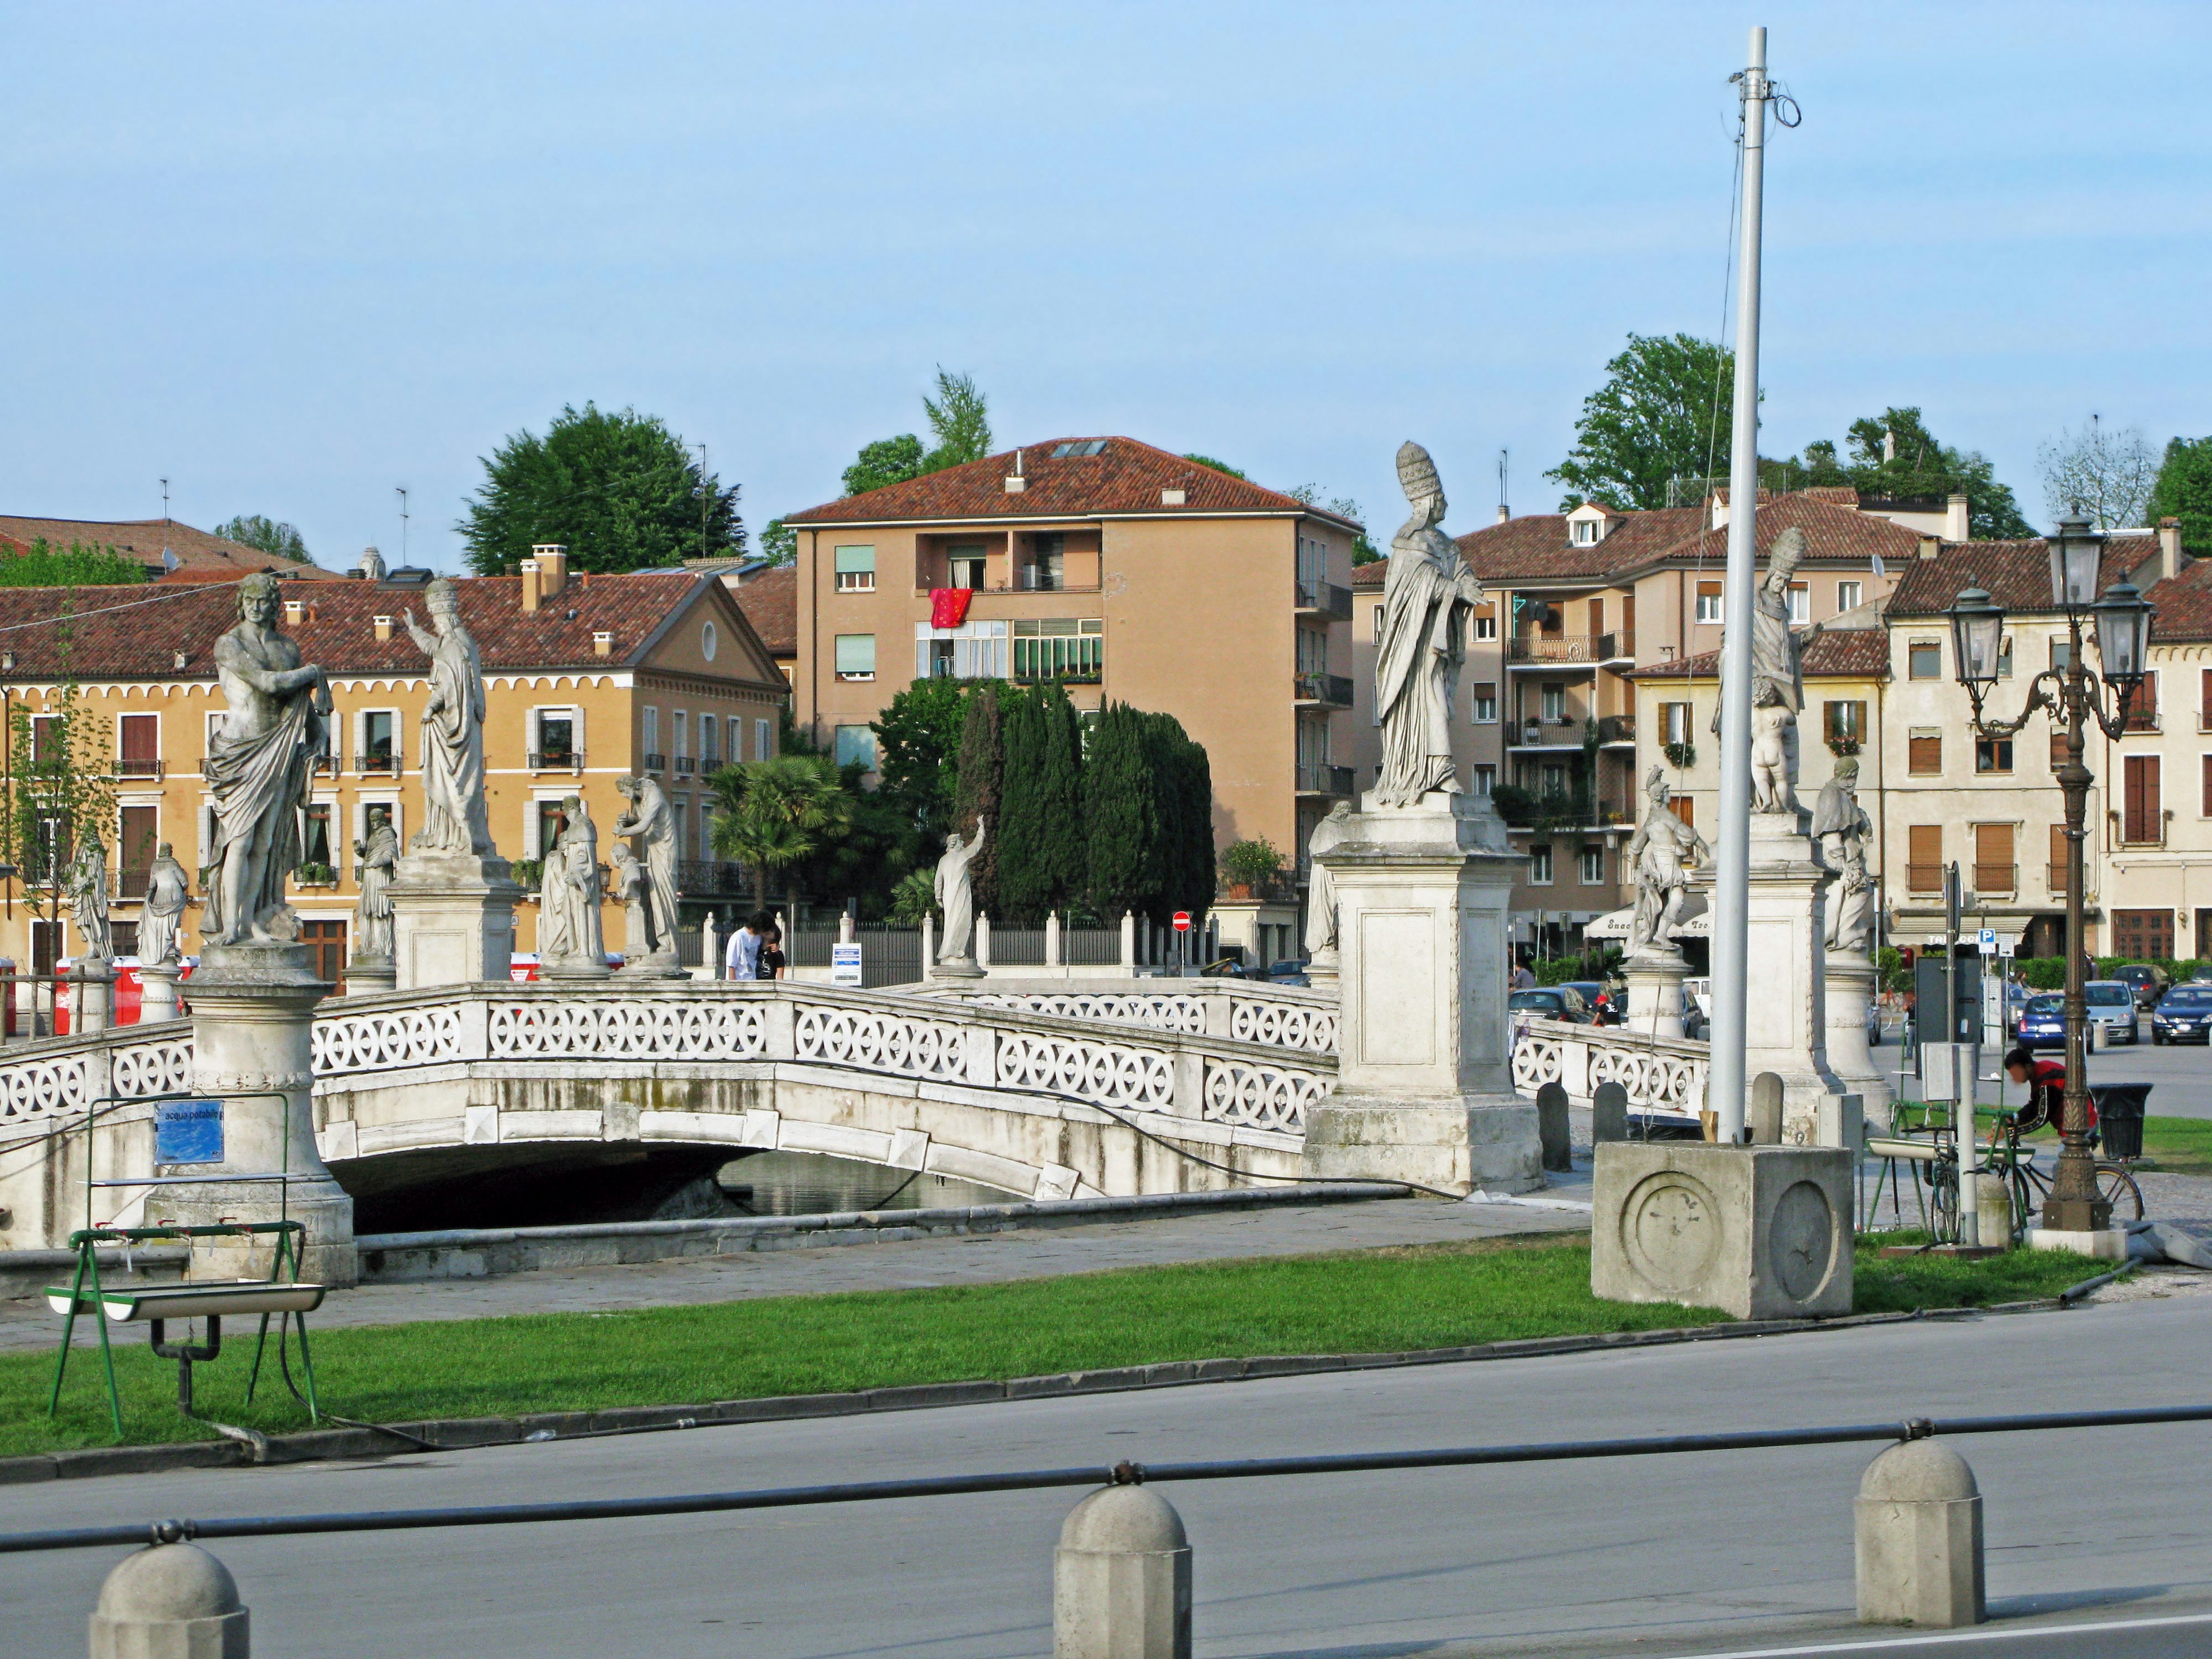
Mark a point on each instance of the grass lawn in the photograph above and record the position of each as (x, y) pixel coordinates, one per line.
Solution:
(1429, 1297)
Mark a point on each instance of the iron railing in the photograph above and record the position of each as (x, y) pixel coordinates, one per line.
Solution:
(709, 877)
(1616, 728)
(1326, 597)
(1997, 877)
(1320, 778)
(557, 760)
(138, 768)
(1335, 690)
(1562, 647)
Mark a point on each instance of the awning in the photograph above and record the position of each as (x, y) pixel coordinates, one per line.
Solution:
(1696, 923)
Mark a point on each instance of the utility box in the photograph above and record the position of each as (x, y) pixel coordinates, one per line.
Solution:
(1929, 973)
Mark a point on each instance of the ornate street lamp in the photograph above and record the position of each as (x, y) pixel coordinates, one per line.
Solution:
(2073, 696)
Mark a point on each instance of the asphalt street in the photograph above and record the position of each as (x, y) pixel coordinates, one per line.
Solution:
(2097, 1538)
(2180, 1076)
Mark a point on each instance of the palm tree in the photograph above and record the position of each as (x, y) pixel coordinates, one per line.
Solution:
(770, 814)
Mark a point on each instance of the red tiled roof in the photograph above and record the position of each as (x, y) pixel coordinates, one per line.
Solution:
(1536, 548)
(1834, 653)
(1128, 477)
(133, 633)
(770, 599)
(2017, 574)
(200, 557)
(1831, 532)
(2185, 605)
(1372, 574)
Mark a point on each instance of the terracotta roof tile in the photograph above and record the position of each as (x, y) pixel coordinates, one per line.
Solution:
(770, 598)
(2017, 574)
(1128, 477)
(2185, 605)
(1840, 654)
(1372, 574)
(1536, 548)
(200, 557)
(1831, 532)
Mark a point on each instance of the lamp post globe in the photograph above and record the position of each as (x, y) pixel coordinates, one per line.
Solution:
(2077, 553)
(2124, 618)
(1976, 641)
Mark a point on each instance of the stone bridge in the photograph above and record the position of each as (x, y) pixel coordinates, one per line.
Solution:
(491, 1083)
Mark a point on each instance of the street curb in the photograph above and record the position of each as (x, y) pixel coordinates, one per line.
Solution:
(466, 1433)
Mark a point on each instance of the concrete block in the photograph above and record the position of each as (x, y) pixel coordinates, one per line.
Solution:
(1452, 1147)
(170, 1601)
(1918, 1539)
(1120, 1579)
(1761, 1232)
(2109, 1245)
(1557, 1140)
(1609, 1113)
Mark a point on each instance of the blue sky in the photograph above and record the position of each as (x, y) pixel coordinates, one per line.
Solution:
(293, 256)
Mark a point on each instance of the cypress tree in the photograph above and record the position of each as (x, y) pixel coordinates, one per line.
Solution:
(978, 793)
(1066, 853)
(1118, 801)
(1025, 876)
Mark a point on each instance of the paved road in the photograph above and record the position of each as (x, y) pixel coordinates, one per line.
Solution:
(2180, 1076)
(1733, 1554)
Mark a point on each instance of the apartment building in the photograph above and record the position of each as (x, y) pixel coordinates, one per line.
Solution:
(587, 678)
(1120, 569)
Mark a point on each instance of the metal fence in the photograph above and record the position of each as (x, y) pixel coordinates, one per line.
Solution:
(1018, 947)
(889, 956)
(1090, 947)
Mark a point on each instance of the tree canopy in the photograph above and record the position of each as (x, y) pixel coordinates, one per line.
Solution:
(886, 461)
(918, 752)
(78, 565)
(2106, 473)
(959, 419)
(282, 541)
(1219, 466)
(1663, 413)
(2184, 491)
(778, 542)
(620, 491)
(1894, 454)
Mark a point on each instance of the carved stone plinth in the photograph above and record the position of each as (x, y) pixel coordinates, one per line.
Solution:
(157, 993)
(1425, 1084)
(1325, 971)
(1785, 1014)
(1654, 991)
(1850, 992)
(575, 969)
(452, 919)
(252, 1006)
(367, 975)
(958, 968)
(92, 995)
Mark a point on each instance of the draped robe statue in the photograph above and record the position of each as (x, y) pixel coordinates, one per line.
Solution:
(373, 862)
(629, 887)
(258, 765)
(1660, 852)
(569, 897)
(652, 830)
(454, 815)
(87, 886)
(168, 890)
(955, 895)
(1321, 891)
(1842, 826)
(1427, 594)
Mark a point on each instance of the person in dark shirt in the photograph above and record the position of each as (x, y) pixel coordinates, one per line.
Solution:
(2046, 1090)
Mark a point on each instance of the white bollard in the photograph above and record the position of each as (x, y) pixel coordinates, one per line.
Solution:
(1120, 1579)
(1919, 1539)
(170, 1601)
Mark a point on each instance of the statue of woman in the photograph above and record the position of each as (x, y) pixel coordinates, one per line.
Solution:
(568, 910)
(1843, 826)
(453, 816)
(652, 827)
(373, 862)
(168, 890)
(1661, 853)
(955, 895)
(1427, 593)
(86, 884)
(1321, 890)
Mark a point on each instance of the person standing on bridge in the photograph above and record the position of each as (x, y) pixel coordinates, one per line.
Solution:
(743, 959)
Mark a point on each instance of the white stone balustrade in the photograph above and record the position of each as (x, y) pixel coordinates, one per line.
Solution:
(1665, 1077)
(1279, 1016)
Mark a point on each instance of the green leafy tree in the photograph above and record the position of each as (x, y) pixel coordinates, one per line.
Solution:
(282, 541)
(878, 848)
(978, 793)
(914, 897)
(1893, 454)
(1662, 414)
(1041, 844)
(886, 461)
(1219, 466)
(620, 491)
(778, 542)
(959, 420)
(1058, 788)
(2184, 491)
(78, 565)
(918, 752)
(1183, 817)
(1363, 551)
(770, 814)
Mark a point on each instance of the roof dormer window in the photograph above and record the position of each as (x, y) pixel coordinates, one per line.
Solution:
(1585, 533)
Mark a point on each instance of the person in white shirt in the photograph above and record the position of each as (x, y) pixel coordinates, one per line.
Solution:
(744, 958)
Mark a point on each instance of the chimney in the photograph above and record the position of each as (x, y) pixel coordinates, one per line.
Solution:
(180, 658)
(603, 644)
(1174, 497)
(296, 612)
(532, 592)
(383, 628)
(1955, 527)
(552, 568)
(1504, 512)
(1929, 546)
(2171, 561)
(1015, 481)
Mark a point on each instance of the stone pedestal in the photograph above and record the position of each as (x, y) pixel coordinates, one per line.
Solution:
(1785, 1014)
(157, 993)
(575, 969)
(92, 995)
(958, 968)
(1424, 1083)
(1654, 991)
(367, 975)
(252, 1009)
(1918, 1539)
(1325, 971)
(453, 919)
(1849, 989)
(1762, 1232)
(1120, 1579)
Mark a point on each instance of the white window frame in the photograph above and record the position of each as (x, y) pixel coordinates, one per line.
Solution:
(1849, 595)
(1476, 703)
(138, 714)
(1583, 859)
(533, 843)
(1485, 628)
(648, 730)
(763, 739)
(391, 804)
(1549, 697)
(986, 649)
(1484, 775)
(854, 677)
(536, 734)
(710, 740)
(1717, 599)
(710, 640)
(853, 581)
(360, 741)
(1797, 597)
(1585, 533)
(1540, 859)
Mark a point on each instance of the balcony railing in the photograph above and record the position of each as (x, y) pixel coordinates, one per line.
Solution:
(655, 762)
(132, 883)
(324, 765)
(377, 766)
(2143, 719)
(709, 877)
(1325, 597)
(557, 760)
(138, 768)
(683, 766)
(1562, 647)
(1997, 877)
(1616, 728)
(1566, 732)
(1319, 778)
(1923, 878)
(1334, 689)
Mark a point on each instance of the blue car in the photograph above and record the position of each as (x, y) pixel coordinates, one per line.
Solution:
(2042, 1022)
(2183, 1015)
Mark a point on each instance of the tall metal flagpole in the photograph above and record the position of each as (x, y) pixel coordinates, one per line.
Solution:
(1732, 880)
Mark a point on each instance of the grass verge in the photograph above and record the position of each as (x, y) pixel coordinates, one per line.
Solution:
(1372, 1301)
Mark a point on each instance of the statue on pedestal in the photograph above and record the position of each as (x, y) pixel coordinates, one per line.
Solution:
(652, 830)
(1321, 888)
(373, 859)
(257, 768)
(453, 817)
(85, 885)
(955, 895)
(569, 897)
(629, 887)
(1428, 592)
(1842, 827)
(1662, 853)
(168, 890)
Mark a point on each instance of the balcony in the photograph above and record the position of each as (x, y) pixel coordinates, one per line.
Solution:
(1923, 878)
(1565, 732)
(683, 766)
(1324, 598)
(377, 766)
(1560, 650)
(1554, 809)
(132, 884)
(139, 769)
(1320, 778)
(1616, 728)
(1996, 878)
(1317, 691)
(557, 760)
(709, 877)
(2142, 719)
(324, 765)
(655, 762)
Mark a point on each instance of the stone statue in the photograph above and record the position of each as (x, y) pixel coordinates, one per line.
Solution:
(629, 887)
(1777, 681)
(1321, 891)
(168, 890)
(955, 895)
(1427, 593)
(569, 907)
(1842, 827)
(652, 830)
(86, 886)
(453, 818)
(372, 565)
(257, 768)
(1661, 853)
(373, 862)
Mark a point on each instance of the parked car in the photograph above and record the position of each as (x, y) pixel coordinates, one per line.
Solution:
(2112, 1006)
(2042, 1022)
(1552, 1002)
(1290, 971)
(1606, 1006)
(2183, 1015)
(1697, 1007)
(2147, 980)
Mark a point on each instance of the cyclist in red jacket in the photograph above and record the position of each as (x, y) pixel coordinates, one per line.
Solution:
(2046, 1090)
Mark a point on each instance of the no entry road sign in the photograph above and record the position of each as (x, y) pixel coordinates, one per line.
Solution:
(1183, 921)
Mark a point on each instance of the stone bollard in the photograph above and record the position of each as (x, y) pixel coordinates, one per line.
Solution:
(1609, 1113)
(1120, 1579)
(170, 1601)
(1552, 1131)
(1919, 1539)
(1766, 1114)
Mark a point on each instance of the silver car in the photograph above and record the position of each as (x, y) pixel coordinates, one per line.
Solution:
(2113, 1011)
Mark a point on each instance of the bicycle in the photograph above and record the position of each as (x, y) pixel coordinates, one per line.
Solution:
(2027, 1185)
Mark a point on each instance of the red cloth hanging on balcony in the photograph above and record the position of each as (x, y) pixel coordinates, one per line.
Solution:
(948, 606)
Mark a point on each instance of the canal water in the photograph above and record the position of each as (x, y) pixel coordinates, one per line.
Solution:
(811, 1183)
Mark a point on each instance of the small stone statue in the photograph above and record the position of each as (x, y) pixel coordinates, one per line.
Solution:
(373, 862)
(1428, 594)
(1662, 852)
(629, 887)
(258, 765)
(1842, 827)
(168, 890)
(1321, 890)
(651, 829)
(454, 815)
(955, 895)
(86, 886)
(569, 897)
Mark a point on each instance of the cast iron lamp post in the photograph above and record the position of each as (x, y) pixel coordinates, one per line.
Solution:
(2073, 697)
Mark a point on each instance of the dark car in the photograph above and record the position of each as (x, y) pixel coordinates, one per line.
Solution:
(1606, 1005)
(2183, 1015)
(1290, 971)
(2148, 981)
(1552, 1002)
(2042, 1022)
